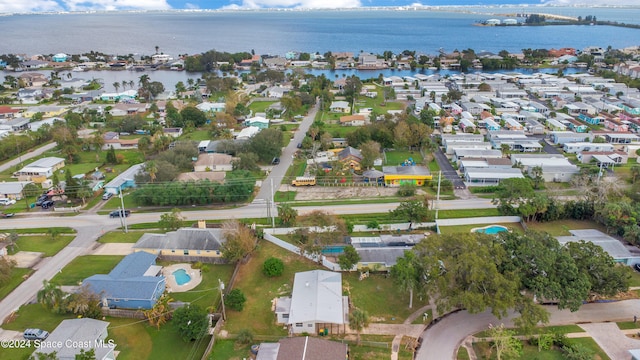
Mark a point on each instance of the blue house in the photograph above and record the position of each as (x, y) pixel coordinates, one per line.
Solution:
(125, 180)
(590, 119)
(59, 57)
(135, 283)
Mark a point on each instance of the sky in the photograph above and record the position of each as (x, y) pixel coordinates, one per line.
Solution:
(29, 6)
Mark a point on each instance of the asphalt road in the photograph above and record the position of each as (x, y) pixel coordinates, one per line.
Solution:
(447, 169)
(442, 340)
(277, 173)
(27, 156)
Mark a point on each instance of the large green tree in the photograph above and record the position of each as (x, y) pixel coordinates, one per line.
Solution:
(191, 321)
(406, 273)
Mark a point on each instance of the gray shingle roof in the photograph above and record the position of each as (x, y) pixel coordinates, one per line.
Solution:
(185, 239)
(77, 330)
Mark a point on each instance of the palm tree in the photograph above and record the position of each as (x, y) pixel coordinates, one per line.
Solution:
(152, 170)
(132, 83)
(160, 313)
(124, 84)
(358, 320)
(50, 296)
(143, 80)
(116, 85)
(157, 48)
(635, 172)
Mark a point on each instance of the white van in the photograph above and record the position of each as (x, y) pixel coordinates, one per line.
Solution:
(7, 201)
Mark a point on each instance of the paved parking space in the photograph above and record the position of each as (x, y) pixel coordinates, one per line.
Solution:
(611, 339)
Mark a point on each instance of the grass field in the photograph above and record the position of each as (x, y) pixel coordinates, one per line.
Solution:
(562, 227)
(397, 157)
(122, 237)
(42, 243)
(17, 276)
(207, 293)
(260, 290)
(84, 266)
(229, 350)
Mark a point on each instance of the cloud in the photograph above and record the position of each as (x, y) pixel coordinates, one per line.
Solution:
(191, 6)
(295, 4)
(22, 6)
(590, 2)
(81, 5)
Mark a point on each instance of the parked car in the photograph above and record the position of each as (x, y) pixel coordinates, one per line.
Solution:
(35, 334)
(47, 204)
(275, 161)
(299, 145)
(118, 213)
(5, 215)
(7, 201)
(42, 199)
(107, 196)
(636, 267)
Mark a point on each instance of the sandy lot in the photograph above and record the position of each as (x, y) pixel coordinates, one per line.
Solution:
(347, 192)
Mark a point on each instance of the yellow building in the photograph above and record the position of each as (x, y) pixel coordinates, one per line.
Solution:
(398, 175)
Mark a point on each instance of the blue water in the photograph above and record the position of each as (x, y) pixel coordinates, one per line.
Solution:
(276, 32)
(333, 250)
(181, 276)
(493, 229)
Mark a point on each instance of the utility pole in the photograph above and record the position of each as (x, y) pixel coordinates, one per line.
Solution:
(274, 210)
(224, 314)
(123, 216)
(438, 194)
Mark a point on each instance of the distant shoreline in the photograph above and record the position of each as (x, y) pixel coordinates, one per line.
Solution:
(468, 9)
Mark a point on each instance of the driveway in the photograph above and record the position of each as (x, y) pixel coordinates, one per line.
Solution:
(441, 341)
(447, 169)
(611, 339)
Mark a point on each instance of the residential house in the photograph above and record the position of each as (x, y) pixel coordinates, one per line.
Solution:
(247, 133)
(217, 176)
(563, 137)
(614, 247)
(15, 125)
(350, 158)
(516, 140)
(45, 110)
(121, 144)
(616, 125)
(135, 283)
(76, 335)
(489, 175)
(124, 180)
(257, 121)
(577, 126)
(211, 108)
(307, 348)
(213, 162)
(398, 175)
(316, 303)
(340, 107)
(484, 162)
(275, 92)
(353, 120)
(467, 125)
(122, 96)
(603, 159)
(185, 244)
(30, 95)
(39, 170)
(381, 253)
(534, 127)
(173, 132)
(590, 119)
(556, 168)
(617, 137)
(513, 124)
(555, 125)
(60, 57)
(7, 112)
(12, 190)
(32, 79)
(461, 154)
(577, 147)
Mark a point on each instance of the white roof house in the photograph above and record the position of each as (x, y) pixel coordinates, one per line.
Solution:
(248, 132)
(13, 189)
(80, 334)
(317, 299)
(41, 167)
(614, 247)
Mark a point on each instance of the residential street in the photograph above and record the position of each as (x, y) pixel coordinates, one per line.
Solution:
(29, 155)
(442, 340)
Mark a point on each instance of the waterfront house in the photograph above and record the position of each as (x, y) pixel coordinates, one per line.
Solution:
(135, 283)
(60, 57)
(32, 79)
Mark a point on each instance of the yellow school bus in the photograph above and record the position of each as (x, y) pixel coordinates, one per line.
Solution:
(304, 181)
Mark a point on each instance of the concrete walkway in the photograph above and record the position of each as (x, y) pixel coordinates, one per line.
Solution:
(613, 341)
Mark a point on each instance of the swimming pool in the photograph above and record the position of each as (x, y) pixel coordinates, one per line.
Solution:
(491, 229)
(181, 276)
(333, 250)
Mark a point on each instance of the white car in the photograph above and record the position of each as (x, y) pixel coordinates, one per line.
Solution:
(7, 201)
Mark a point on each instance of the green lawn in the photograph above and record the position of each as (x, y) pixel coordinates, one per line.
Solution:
(196, 135)
(42, 243)
(483, 350)
(562, 227)
(635, 278)
(467, 213)
(83, 168)
(397, 157)
(260, 290)
(229, 350)
(121, 237)
(61, 230)
(337, 130)
(16, 279)
(84, 266)
(628, 325)
(207, 293)
(260, 106)
(380, 297)
(34, 315)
